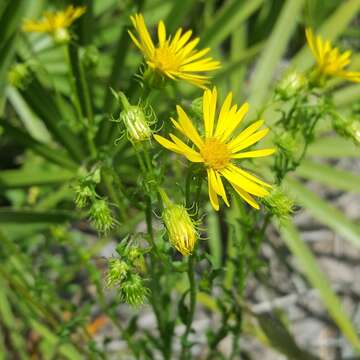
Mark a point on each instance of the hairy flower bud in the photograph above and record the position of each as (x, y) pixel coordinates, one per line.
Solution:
(179, 226)
(101, 216)
(134, 119)
(133, 291)
(117, 273)
(19, 76)
(347, 127)
(278, 203)
(290, 84)
(83, 194)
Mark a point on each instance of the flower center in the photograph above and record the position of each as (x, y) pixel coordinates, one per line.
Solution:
(215, 154)
(165, 59)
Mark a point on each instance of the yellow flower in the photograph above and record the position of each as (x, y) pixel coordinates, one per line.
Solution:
(55, 23)
(329, 60)
(218, 149)
(174, 58)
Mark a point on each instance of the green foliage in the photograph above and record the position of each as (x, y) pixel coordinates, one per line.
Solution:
(82, 179)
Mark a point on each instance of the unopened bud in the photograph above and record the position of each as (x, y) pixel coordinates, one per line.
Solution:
(347, 127)
(133, 291)
(83, 193)
(289, 144)
(290, 85)
(117, 273)
(179, 226)
(134, 119)
(61, 36)
(19, 76)
(278, 203)
(101, 216)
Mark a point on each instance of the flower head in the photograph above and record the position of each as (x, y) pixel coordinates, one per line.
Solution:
(330, 62)
(173, 57)
(180, 227)
(56, 23)
(218, 148)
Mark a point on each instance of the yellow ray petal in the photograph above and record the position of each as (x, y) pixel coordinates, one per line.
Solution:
(224, 112)
(209, 107)
(245, 134)
(254, 138)
(238, 117)
(161, 33)
(253, 178)
(211, 188)
(187, 151)
(221, 189)
(246, 196)
(253, 154)
(189, 129)
(243, 182)
(167, 144)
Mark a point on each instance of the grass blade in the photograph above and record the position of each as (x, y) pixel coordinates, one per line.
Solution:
(227, 20)
(273, 51)
(324, 212)
(329, 175)
(319, 281)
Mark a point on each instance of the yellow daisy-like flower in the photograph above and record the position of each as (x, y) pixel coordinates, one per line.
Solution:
(329, 60)
(174, 58)
(219, 148)
(55, 22)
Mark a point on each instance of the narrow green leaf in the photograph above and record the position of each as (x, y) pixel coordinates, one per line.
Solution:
(55, 156)
(273, 51)
(8, 216)
(13, 179)
(329, 175)
(177, 14)
(319, 281)
(347, 96)
(333, 147)
(66, 349)
(323, 212)
(214, 240)
(227, 20)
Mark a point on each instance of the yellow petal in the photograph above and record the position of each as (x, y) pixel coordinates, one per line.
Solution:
(189, 129)
(167, 144)
(231, 126)
(209, 107)
(161, 33)
(246, 196)
(254, 138)
(187, 151)
(221, 189)
(253, 178)
(245, 134)
(253, 154)
(243, 182)
(224, 112)
(211, 187)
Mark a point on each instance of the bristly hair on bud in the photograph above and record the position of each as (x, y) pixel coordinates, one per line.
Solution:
(180, 228)
(347, 127)
(118, 271)
(278, 203)
(133, 290)
(290, 85)
(19, 75)
(101, 216)
(135, 119)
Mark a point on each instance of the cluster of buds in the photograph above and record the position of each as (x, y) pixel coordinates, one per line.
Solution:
(134, 118)
(180, 228)
(125, 274)
(278, 203)
(85, 195)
